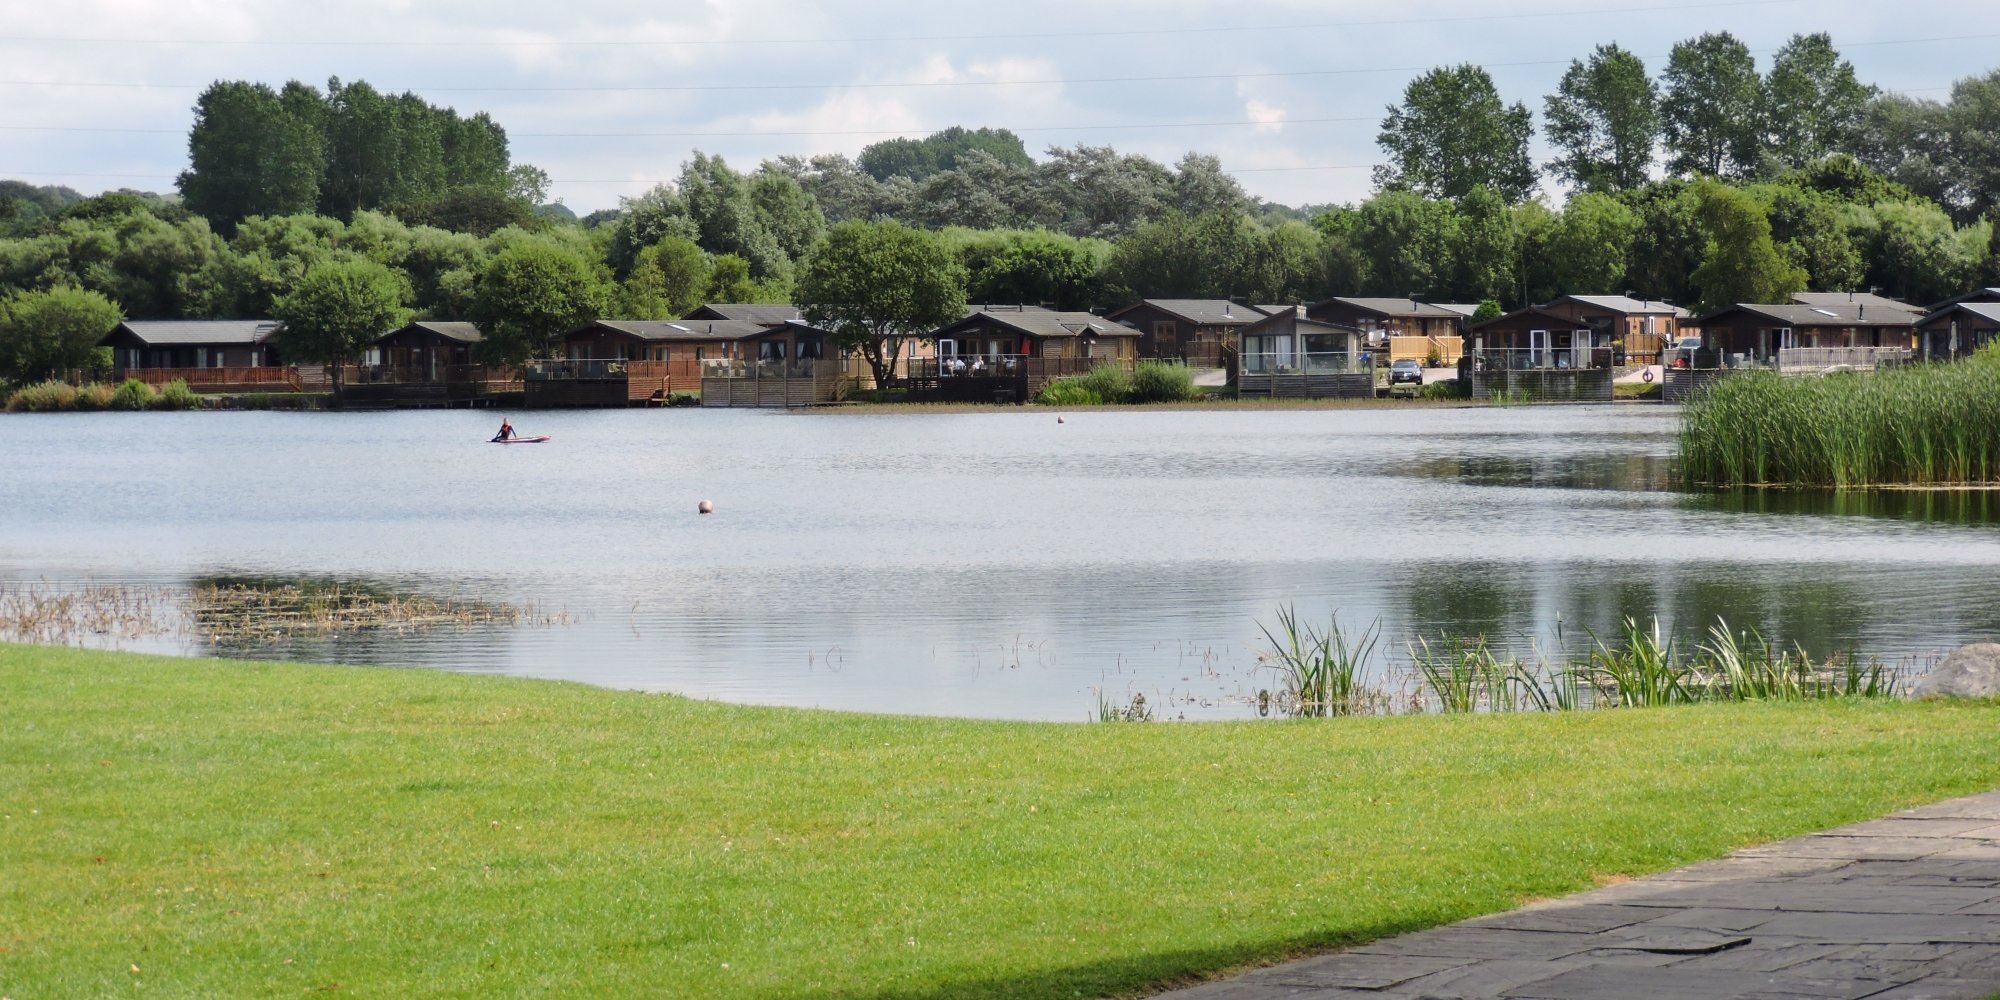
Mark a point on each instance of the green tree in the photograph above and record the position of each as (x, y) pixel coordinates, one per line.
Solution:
(1812, 105)
(918, 159)
(1201, 186)
(1452, 134)
(1183, 256)
(1811, 233)
(1974, 122)
(1709, 112)
(45, 333)
(786, 210)
(729, 280)
(873, 285)
(1603, 120)
(1740, 263)
(1486, 256)
(253, 151)
(1098, 193)
(1670, 241)
(1029, 267)
(1405, 243)
(1916, 253)
(719, 202)
(337, 310)
(1909, 141)
(1590, 245)
(1284, 263)
(531, 293)
(670, 279)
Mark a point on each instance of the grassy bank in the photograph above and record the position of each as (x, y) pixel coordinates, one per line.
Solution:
(207, 828)
(1918, 425)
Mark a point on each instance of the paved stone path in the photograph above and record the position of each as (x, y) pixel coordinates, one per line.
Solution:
(1901, 908)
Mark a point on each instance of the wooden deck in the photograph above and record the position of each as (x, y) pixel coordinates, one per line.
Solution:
(223, 380)
(1300, 385)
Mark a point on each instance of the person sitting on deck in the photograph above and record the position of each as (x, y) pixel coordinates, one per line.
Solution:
(506, 431)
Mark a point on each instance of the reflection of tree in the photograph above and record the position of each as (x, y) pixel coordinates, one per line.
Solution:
(1926, 506)
(1465, 601)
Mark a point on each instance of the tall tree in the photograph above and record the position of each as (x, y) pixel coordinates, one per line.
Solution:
(1670, 241)
(1452, 134)
(1405, 243)
(1974, 122)
(1180, 256)
(337, 310)
(253, 151)
(44, 333)
(1740, 263)
(1201, 186)
(1813, 105)
(1709, 113)
(874, 285)
(719, 202)
(1486, 256)
(918, 159)
(669, 280)
(1604, 120)
(531, 293)
(1590, 245)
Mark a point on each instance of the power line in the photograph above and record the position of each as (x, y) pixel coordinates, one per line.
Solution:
(884, 39)
(923, 84)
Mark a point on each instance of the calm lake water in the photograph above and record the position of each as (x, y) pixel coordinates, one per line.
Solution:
(982, 564)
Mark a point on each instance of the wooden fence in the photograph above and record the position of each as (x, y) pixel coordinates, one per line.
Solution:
(219, 380)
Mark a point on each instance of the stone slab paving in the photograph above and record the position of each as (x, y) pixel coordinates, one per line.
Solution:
(1901, 908)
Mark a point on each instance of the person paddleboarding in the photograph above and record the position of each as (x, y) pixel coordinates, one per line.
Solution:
(506, 431)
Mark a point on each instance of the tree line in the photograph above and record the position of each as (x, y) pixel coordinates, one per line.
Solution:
(1713, 183)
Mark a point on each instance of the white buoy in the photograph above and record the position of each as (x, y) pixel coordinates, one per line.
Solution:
(705, 507)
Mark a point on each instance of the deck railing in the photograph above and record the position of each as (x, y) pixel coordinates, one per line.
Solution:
(261, 379)
(1808, 359)
(1543, 359)
(1317, 363)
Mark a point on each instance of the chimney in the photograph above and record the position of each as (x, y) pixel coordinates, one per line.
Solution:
(1226, 306)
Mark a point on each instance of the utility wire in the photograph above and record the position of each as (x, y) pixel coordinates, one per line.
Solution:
(884, 39)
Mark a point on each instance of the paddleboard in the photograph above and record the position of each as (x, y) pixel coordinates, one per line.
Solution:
(523, 440)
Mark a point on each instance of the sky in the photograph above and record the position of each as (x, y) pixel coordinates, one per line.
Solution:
(609, 98)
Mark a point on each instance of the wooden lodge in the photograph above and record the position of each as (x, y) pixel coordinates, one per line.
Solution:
(1201, 331)
(427, 363)
(1638, 329)
(1287, 355)
(1408, 329)
(1540, 354)
(1834, 334)
(1010, 354)
(210, 355)
(627, 362)
(1957, 330)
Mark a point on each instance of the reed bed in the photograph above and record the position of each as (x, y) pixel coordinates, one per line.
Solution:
(1331, 671)
(241, 612)
(132, 394)
(1931, 425)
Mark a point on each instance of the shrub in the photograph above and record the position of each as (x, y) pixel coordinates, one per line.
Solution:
(1161, 382)
(1111, 384)
(133, 395)
(1068, 392)
(42, 397)
(1451, 388)
(177, 396)
(93, 396)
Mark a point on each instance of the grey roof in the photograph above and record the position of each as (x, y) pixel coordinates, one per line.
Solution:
(1209, 312)
(464, 333)
(1528, 311)
(1869, 299)
(1046, 323)
(1299, 320)
(1465, 309)
(1830, 314)
(1274, 309)
(1628, 305)
(684, 329)
(1983, 310)
(177, 332)
(1393, 307)
(756, 312)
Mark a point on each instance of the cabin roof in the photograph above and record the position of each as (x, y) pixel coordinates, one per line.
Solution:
(179, 332)
(1629, 306)
(1465, 309)
(1830, 314)
(1392, 307)
(769, 314)
(1047, 323)
(1299, 321)
(1976, 295)
(1869, 299)
(1201, 312)
(1564, 322)
(683, 329)
(1983, 310)
(464, 333)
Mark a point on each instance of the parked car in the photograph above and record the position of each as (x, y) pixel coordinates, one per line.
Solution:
(1406, 371)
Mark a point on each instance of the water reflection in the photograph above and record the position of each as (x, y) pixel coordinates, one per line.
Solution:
(1975, 507)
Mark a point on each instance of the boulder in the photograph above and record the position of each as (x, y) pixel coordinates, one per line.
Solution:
(1969, 672)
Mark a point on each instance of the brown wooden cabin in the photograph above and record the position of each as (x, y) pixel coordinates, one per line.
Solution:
(683, 341)
(1010, 354)
(1286, 354)
(1203, 331)
(1976, 295)
(1378, 318)
(1642, 327)
(425, 350)
(1867, 301)
(1538, 337)
(1756, 333)
(192, 343)
(1958, 330)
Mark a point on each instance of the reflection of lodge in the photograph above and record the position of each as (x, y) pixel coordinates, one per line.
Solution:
(423, 364)
(1539, 354)
(1003, 354)
(1286, 354)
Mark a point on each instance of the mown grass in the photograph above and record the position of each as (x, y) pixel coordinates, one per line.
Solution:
(179, 828)
(1916, 425)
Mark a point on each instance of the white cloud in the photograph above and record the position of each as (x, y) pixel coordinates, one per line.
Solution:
(1269, 118)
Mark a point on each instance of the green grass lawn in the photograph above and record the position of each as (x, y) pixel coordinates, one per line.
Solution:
(206, 828)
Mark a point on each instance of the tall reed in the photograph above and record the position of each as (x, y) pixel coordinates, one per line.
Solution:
(1323, 672)
(1914, 425)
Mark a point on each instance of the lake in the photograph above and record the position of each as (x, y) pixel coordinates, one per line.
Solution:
(994, 564)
